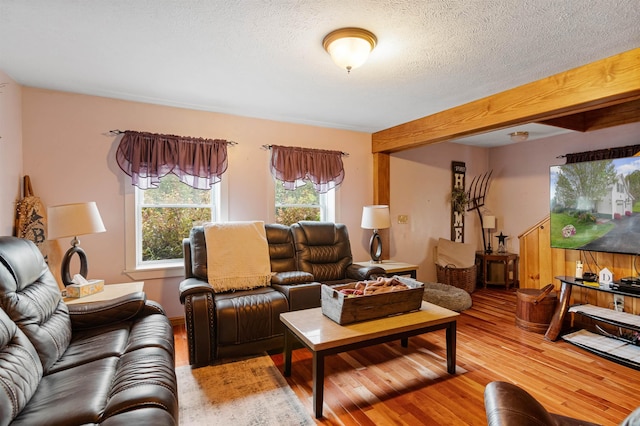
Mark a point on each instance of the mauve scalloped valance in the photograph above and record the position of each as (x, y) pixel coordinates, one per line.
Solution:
(603, 154)
(147, 157)
(292, 165)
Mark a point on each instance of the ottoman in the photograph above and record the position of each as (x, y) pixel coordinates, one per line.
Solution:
(447, 296)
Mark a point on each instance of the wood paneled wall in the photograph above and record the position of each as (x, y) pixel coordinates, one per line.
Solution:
(540, 264)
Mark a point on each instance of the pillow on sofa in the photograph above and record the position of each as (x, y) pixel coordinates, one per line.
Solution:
(237, 256)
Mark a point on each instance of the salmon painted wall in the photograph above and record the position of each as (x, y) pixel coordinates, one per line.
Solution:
(420, 188)
(10, 151)
(70, 158)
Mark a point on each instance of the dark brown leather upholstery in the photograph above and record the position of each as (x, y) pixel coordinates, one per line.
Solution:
(247, 322)
(97, 363)
(509, 405)
(235, 323)
(323, 249)
(299, 287)
(281, 251)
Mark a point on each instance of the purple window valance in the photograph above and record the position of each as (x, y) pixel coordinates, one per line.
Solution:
(147, 157)
(292, 165)
(603, 154)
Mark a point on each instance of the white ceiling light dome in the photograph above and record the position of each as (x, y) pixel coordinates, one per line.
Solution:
(349, 47)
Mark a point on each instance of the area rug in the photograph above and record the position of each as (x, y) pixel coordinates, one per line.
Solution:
(250, 391)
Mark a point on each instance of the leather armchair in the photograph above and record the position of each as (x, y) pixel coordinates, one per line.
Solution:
(323, 249)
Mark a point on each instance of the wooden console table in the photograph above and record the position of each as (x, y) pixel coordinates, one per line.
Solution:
(507, 275)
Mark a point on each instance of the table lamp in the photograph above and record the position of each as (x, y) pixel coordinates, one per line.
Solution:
(71, 220)
(375, 217)
(488, 223)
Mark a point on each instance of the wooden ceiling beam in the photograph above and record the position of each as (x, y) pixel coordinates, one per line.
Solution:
(615, 115)
(610, 81)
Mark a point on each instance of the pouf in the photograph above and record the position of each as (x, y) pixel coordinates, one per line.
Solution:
(447, 296)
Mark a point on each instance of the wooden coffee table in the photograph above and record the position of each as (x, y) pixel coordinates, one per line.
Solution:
(324, 337)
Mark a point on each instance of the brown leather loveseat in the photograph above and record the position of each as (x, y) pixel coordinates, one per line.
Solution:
(108, 363)
(247, 322)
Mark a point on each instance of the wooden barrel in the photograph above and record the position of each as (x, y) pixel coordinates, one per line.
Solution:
(535, 308)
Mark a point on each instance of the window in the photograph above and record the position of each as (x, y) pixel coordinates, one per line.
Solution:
(303, 203)
(165, 215)
(158, 219)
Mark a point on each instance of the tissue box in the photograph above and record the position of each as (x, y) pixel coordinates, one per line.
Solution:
(81, 290)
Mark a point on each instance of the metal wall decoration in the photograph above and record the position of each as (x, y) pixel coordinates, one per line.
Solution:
(477, 196)
(458, 170)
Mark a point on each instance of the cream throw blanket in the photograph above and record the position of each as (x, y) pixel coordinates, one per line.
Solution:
(237, 255)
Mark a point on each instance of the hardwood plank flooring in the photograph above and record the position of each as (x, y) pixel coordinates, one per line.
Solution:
(391, 385)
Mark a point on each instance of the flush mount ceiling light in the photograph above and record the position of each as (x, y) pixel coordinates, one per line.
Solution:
(519, 136)
(349, 47)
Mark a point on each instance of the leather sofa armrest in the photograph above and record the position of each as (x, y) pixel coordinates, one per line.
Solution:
(152, 307)
(192, 286)
(301, 296)
(361, 273)
(97, 314)
(509, 405)
(291, 278)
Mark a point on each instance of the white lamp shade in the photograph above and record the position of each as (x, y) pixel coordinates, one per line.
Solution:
(489, 222)
(375, 217)
(71, 220)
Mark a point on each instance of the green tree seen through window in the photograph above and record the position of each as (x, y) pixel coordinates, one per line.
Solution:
(167, 214)
(303, 203)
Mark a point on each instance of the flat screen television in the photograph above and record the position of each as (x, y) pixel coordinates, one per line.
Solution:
(595, 205)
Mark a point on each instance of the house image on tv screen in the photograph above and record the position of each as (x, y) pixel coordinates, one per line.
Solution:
(595, 205)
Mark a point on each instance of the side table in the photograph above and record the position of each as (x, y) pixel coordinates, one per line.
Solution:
(111, 291)
(393, 268)
(497, 269)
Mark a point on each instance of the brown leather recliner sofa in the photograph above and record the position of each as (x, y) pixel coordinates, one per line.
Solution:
(108, 363)
(240, 323)
(507, 404)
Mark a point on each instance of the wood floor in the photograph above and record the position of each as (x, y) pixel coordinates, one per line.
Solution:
(391, 385)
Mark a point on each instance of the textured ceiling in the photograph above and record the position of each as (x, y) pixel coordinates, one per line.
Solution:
(262, 58)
